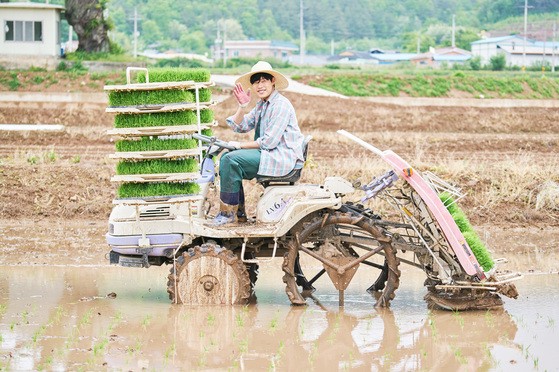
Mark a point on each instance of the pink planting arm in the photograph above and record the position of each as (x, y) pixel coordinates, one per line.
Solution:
(449, 228)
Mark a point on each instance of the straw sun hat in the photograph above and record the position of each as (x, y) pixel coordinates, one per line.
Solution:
(261, 66)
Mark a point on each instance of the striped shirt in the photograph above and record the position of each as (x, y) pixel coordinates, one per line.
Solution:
(280, 139)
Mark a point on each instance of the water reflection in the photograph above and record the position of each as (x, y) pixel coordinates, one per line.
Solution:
(61, 319)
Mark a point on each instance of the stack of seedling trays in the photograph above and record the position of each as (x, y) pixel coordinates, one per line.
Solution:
(155, 118)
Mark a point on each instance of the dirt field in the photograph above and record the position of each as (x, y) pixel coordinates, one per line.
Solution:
(505, 158)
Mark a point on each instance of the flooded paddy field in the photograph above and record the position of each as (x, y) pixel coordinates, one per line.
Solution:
(62, 307)
(60, 312)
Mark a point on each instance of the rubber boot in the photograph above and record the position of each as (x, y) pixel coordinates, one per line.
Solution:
(241, 213)
(227, 214)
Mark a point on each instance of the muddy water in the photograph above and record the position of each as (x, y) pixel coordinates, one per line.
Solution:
(60, 318)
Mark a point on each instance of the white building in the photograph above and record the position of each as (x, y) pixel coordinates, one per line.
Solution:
(531, 55)
(280, 50)
(30, 30)
(487, 48)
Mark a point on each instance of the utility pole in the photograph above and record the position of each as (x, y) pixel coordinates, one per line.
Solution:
(525, 33)
(301, 33)
(135, 19)
(453, 28)
(553, 47)
(224, 38)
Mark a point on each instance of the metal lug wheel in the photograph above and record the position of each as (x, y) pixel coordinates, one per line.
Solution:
(341, 242)
(209, 274)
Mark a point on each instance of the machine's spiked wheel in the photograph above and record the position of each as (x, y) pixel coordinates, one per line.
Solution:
(209, 274)
(337, 240)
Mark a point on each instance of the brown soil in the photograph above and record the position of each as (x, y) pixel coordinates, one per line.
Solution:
(67, 174)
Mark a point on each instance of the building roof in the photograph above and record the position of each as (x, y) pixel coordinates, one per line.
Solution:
(32, 6)
(496, 40)
(394, 56)
(547, 44)
(451, 51)
(450, 54)
(260, 44)
(451, 57)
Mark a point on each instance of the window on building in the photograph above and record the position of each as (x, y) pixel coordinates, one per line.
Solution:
(23, 31)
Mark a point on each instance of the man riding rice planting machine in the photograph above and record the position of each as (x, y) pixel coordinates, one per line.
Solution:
(166, 152)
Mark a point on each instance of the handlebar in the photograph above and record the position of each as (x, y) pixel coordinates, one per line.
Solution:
(213, 141)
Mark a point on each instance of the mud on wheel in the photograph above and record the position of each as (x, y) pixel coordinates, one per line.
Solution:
(338, 240)
(209, 274)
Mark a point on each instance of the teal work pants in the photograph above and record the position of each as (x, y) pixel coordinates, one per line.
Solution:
(234, 167)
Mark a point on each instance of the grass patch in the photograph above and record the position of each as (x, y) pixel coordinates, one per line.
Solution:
(156, 97)
(128, 190)
(472, 238)
(163, 119)
(155, 144)
(156, 166)
(436, 84)
(162, 75)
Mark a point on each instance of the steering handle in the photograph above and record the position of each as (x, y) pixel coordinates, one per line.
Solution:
(213, 141)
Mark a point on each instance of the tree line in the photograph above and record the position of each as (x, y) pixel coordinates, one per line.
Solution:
(196, 25)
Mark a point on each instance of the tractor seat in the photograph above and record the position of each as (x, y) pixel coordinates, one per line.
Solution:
(289, 178)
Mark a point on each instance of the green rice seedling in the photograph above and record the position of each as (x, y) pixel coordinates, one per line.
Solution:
(239, 319)
(210, 319)
(100, 346)
(156, 166)
(163, 119)
(86, 318)
(459, 357)
(46, 365)
(432, 324)
(480, 251)
(38, 333)
(155, 144)
(460, 318)
(51, 156)
(128, 190)
(146, 321)
(170, 352)
(3, 309)
(243, 346)
(115, 321)
(134, 98)
(25, 317)
(472, 238)
(160, 75)
(136, 348)
(76, 159)
(274, 325)
(489, 319)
